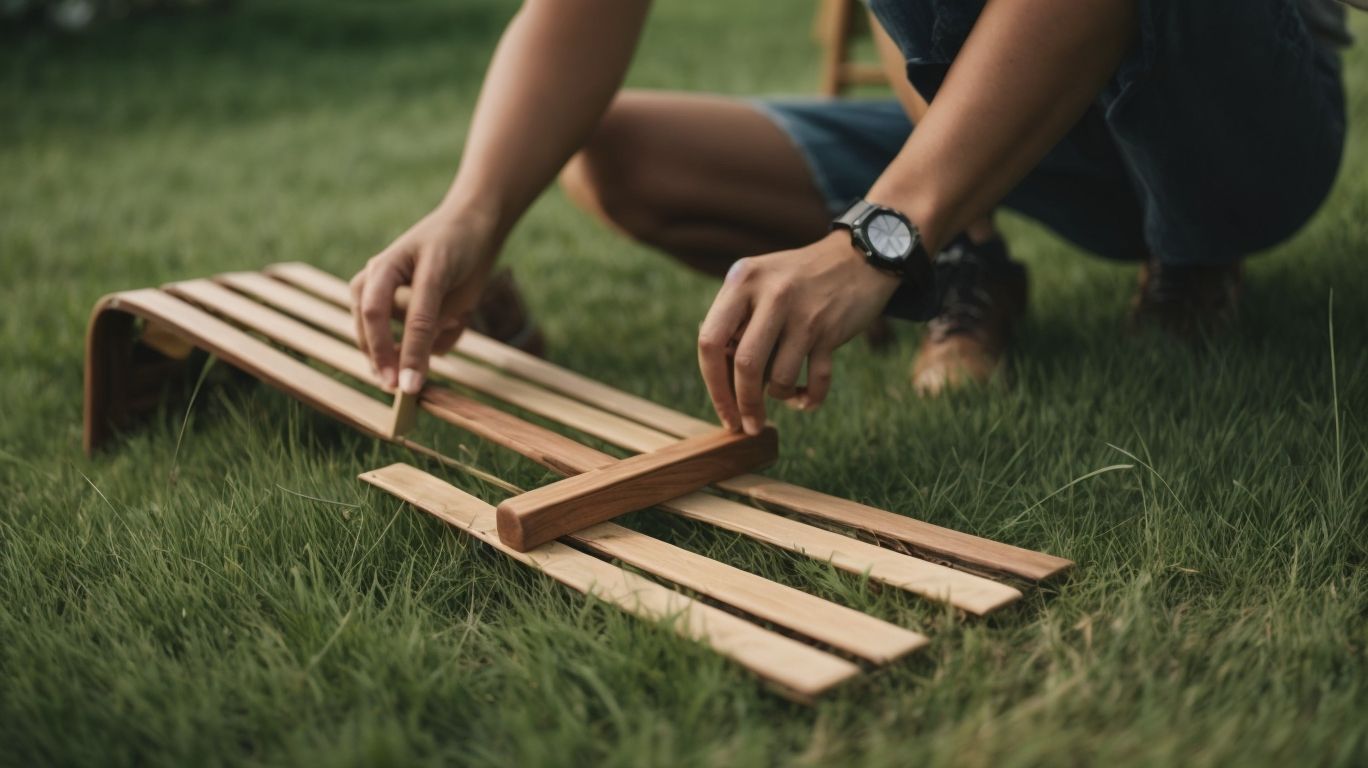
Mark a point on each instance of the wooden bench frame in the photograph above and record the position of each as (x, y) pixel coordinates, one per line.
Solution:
(241, 317)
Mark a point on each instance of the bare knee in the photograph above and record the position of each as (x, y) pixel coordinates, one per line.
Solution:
(608, 177)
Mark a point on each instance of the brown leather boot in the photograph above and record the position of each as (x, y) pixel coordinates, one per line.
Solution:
(985, 292)
(1187, 301)
(502, 315)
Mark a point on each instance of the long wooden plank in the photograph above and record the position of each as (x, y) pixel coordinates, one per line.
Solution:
(257, 358)
(838, 626)
(966, 591)
(805, 671)
(568, 411)
(609, 425)
(639, 482)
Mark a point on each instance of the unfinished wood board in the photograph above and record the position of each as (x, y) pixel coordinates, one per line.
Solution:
(804, 671)
(640, 435)
(966, 591)
(514, 391)
(639, 482)
(840, 627)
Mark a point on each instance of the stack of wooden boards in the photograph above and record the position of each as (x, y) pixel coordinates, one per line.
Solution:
(264, 322)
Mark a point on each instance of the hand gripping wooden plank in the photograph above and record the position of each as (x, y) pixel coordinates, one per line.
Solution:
(641, 481)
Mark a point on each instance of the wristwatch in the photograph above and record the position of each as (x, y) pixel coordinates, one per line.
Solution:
(892, 243)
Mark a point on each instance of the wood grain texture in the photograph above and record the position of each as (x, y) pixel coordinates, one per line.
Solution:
(404, 414)
(843, 628)
(966, 591)
(840, 627)
(648, 425)
(257, 358)
(641, 481)
(798, 669)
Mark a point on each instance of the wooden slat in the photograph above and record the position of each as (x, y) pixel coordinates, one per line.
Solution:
(568, 411)
(653, 425)
(836, 625)
(800, 669)
(639, 482)
(840, 627)
(257, 358)
(966, 591)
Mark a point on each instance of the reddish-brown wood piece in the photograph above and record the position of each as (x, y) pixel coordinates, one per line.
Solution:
(641, 481)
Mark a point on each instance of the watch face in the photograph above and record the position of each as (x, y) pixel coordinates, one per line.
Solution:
(890, 236)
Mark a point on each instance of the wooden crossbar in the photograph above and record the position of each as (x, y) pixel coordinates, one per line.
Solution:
(638, 424)
(969, 592)
(798, 669)
(642, 481)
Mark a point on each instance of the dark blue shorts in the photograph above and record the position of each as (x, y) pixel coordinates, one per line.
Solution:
(1220, 134)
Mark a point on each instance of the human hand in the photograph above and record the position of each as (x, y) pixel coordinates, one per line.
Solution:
(445, 259)
(776, 311)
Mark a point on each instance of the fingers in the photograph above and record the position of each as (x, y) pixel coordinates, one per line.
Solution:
(818, 378)
(728, 312)
(357, 283)
(752, 358)
(447, 339)
(421, 325)
(377, 302)
(794, 346)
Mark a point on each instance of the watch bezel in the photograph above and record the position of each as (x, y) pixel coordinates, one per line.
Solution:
(859, 230)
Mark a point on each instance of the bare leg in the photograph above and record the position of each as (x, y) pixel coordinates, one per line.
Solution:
(706, 179)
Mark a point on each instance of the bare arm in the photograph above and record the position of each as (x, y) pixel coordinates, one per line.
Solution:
(552, 76)
(1026, 74)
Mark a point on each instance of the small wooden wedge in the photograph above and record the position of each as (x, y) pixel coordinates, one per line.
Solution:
(641, 481)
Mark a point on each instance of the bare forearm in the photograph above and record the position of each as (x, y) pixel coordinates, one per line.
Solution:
(1026, 74)
(552, 76)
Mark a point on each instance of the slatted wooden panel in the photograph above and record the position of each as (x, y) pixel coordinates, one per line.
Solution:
(966, 591)
(208, 314)
(850, 631)
(640, 425)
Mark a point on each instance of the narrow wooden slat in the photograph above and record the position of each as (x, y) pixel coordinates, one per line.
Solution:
(257, 358)
(805, 671)
(966, 591)
(836, 625)
(933, 540)
(642, 481)
(568, 411)
(840, 627)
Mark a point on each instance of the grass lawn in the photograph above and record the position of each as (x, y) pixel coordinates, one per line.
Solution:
(218, 588)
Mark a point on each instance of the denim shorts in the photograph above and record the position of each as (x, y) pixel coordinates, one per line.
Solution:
(1219, 135)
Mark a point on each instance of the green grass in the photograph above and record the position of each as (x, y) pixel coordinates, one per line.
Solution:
(180, 600)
